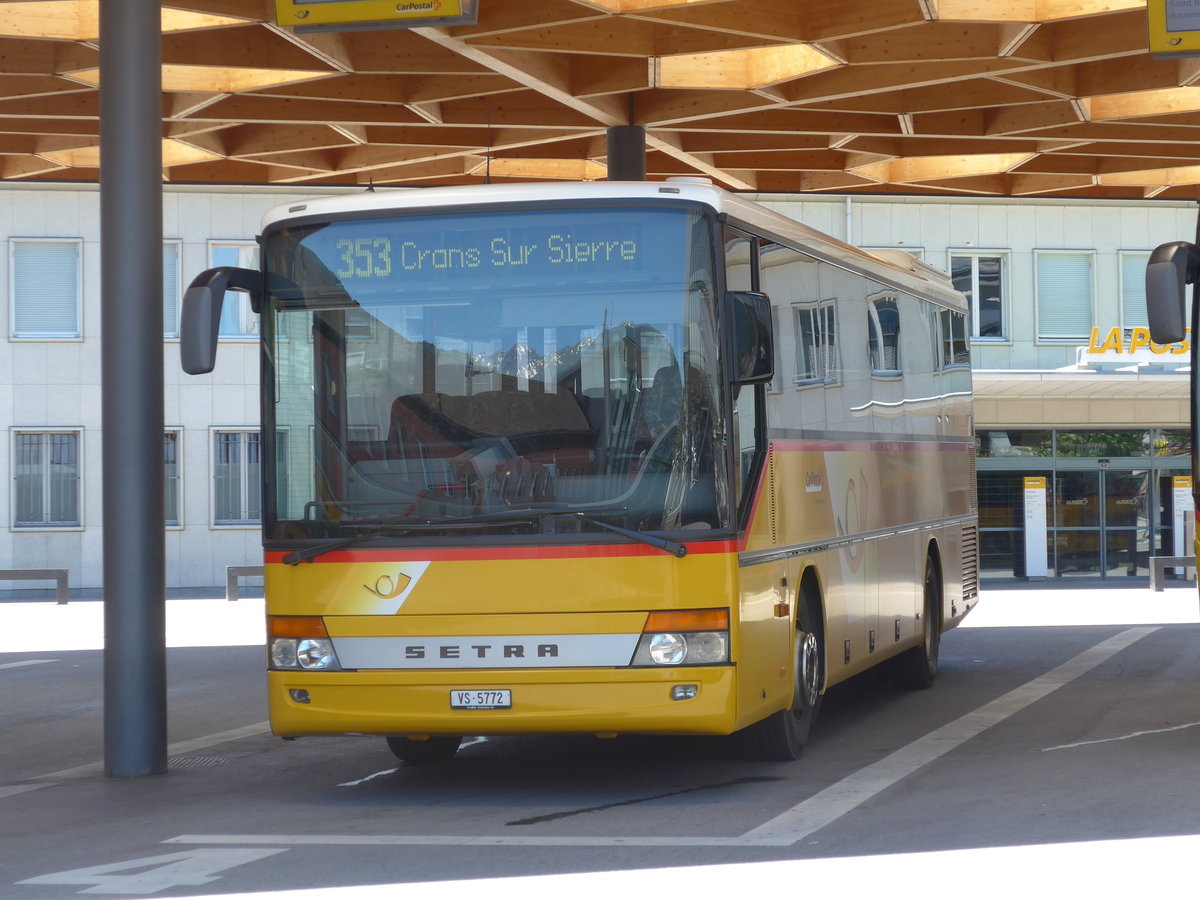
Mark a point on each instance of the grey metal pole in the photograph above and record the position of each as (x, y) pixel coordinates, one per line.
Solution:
(135, 695)
(627, 153)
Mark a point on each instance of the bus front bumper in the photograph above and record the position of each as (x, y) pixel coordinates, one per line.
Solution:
(546, 701)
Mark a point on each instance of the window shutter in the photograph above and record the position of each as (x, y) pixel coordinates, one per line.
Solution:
(170, 266)
(1064, 295)
(45, 289)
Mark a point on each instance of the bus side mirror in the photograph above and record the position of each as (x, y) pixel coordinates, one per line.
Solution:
(753, 354)
(200, 318)
(1171, 269)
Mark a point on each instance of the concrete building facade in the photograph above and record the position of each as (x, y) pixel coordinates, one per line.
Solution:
(1068, 387)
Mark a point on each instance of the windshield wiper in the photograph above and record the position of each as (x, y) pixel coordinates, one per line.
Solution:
(652, 539)
(361, 533)
(312, 551)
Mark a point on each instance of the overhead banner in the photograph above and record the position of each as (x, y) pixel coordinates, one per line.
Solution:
(1174, 28)
(363, 15)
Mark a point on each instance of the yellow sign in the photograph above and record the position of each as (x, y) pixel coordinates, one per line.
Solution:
(1035, 483)
(1182, 483)
(1134, 344)
(1174, 27)
(345, 15)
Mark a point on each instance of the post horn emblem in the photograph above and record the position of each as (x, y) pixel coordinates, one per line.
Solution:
(387, 588)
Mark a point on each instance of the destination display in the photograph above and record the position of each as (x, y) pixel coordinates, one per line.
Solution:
(378, 257)
(536, 249)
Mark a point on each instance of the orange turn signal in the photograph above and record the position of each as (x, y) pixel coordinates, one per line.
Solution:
(688, 620)
(296, 627)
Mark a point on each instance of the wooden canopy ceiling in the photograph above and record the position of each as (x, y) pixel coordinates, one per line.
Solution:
(985, 97)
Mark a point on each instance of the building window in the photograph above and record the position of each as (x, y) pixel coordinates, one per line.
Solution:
(46, 479)
(45, 289)
(883, 325)
(171, 289)
(237, 495)
(956, 351)
(171, 499)
(1064, 295)
(981, 277)
(238, 320)
(816, 344)
(1133, 289)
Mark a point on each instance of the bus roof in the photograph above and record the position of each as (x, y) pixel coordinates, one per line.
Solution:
(899, 268)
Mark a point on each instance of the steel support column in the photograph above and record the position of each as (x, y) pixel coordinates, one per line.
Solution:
(627, 153)
(131, 318)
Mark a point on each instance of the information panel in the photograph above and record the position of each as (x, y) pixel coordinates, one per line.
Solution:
(347, 15)
(1184, 509)
(1035, 527)
(1174, 27)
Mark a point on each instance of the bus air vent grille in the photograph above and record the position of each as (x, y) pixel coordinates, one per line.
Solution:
(771, 496)
(970, 562)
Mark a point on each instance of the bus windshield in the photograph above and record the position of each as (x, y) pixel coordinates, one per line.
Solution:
(429, 371)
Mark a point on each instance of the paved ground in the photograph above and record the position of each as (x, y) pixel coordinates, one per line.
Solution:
(1055, 755)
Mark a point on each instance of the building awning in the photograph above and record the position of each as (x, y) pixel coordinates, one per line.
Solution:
(1081, 398)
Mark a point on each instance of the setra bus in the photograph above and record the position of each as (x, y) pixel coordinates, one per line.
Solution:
(596, 458)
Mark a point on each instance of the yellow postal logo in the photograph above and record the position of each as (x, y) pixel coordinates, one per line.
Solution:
(387, 588)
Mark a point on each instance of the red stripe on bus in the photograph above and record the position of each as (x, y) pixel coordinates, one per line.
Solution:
(588, 551)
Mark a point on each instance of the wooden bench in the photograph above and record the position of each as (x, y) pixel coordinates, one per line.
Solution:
(56, 575)
(233, 573)
(1160, 564)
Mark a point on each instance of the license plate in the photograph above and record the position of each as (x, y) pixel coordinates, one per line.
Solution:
(481, 699)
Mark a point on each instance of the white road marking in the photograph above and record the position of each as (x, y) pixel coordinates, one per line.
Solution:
(791, 826)
(852, 791)
(1123, 737)
(357, 782)
(179, 748)
(368, 778)
(151, 874)
(26, 662)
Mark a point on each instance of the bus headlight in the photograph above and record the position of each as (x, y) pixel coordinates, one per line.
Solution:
(303, 653)
(300, 642)
(667, 649)
(698, 637)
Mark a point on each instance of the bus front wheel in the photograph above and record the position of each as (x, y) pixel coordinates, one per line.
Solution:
(782, 735)
(434, 749)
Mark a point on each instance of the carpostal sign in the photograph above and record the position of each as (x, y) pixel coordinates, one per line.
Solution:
(1133, 345)
(346, 15)
(1174, 28)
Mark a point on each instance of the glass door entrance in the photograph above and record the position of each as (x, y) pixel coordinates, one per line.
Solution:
(1102, 522)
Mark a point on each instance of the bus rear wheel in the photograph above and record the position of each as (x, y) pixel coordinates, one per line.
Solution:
(916, 668)
(434, 749)
(782, 735)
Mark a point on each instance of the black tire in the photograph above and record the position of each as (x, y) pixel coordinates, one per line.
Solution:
(782, 735)
(430, 750)
(915, 668)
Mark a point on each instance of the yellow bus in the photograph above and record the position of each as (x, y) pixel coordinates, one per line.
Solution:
(601, 458)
